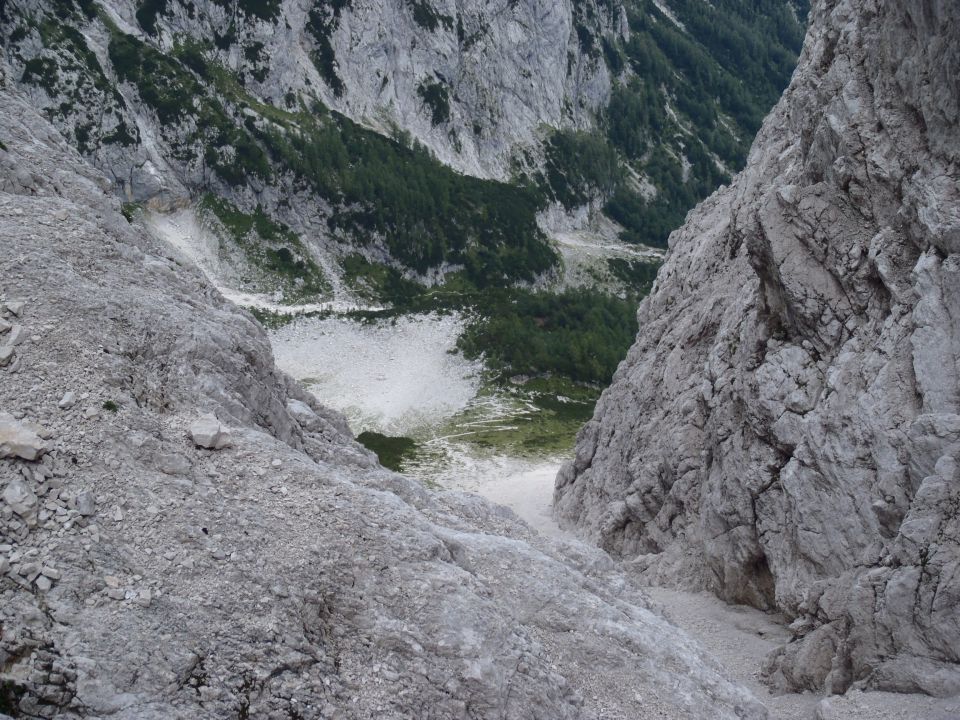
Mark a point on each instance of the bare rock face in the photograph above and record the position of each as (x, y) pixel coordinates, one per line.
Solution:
(785, 431)
(285, 575)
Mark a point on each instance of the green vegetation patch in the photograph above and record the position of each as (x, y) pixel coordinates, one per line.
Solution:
(379, 283)
(273, 320)
(81, 100)
(271, 248)
(425, 213)
(178, 97)
(41, 71)
(581, 334)
(537, 418)
(435, 96)
(392, 451)
(638, 275)
(426, 17)
(685, 116)
(322, 21)
(263, 9)
(148, 12)
(129, 210)
(580, 166)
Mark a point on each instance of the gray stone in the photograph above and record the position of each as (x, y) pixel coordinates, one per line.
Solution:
(68, 400)
(174, 463)
(16, 336)
(6, 354)
(50, 572)
(86, 504)
(16, 307)
(20, 497)
(19, 439)
(207, 432)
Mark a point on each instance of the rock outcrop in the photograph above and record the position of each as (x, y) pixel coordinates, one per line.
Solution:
(785, 431)
(284, 575)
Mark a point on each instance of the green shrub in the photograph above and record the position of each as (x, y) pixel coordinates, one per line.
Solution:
(41, 71)
(391, 451)
(436, 97)
(581, 166)
(148, 12)
(272, 247)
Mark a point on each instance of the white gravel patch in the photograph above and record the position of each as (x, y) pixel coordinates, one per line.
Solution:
(391, 376)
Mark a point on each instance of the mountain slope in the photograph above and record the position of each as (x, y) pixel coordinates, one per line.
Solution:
(784, 431)
(349, 122)
(145, 575)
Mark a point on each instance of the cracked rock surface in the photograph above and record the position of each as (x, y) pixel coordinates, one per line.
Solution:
(284, 575)
(785, 431)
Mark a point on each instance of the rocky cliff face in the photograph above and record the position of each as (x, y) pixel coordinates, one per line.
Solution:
(255, 563)
(375, 126)
(476, 84)
(786, 430)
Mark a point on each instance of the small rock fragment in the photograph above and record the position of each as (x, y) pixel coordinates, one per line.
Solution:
(50, 572)
(19, 497)
(16, 335)
(207, 432)
(68, 400)
(86, 505)
(17, 439)
(173, 464)
(4, 326)
(16, 307)
(43, 583)
(6, 354)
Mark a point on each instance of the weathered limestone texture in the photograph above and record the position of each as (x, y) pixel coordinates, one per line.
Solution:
(785, 431)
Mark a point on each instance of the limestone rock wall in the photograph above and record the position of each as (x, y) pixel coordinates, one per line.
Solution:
(785, 431)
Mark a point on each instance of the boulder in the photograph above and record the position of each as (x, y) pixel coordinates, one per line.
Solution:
(207, 432)
(19, 440)
(18, 495)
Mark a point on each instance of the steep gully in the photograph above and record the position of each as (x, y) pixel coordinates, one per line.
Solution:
(400, 377)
